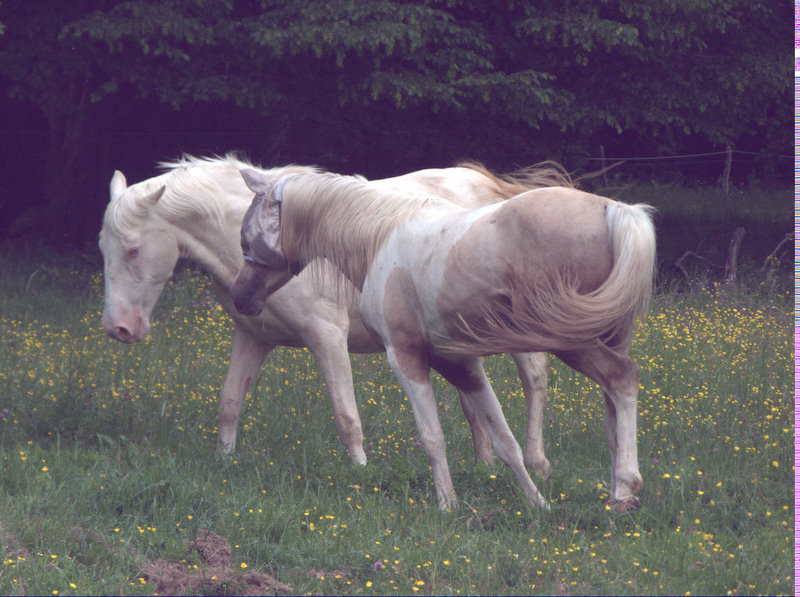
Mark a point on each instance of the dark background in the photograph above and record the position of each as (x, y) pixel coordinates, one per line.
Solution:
(382, 88)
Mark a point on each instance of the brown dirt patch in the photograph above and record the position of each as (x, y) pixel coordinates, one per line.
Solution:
(215, 574)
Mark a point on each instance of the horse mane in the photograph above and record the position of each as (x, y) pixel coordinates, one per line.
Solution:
(193, 188)
(229, 160)
(343, 219)
(537, 176)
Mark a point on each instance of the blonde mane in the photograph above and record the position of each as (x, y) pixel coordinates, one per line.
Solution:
(194, 187)
(537, 176)
(342, 218)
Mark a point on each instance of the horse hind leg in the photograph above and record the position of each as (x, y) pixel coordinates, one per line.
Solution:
(532, 367)
(481, 440)
(469, 377)
(618, 376)
(610, 427)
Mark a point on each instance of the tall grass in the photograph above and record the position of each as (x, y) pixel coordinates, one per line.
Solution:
(108, 461)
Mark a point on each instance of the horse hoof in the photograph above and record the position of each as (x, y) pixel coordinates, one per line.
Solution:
(487, 459)
(540, 466)
(627, 505)
(359, 458)
(543, 470)
(225, 449)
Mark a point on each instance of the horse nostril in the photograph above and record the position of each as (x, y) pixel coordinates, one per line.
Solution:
(121, 333)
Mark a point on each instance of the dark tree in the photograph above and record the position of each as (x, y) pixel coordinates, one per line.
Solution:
(381, 87)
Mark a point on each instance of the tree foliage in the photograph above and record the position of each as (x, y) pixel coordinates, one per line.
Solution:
(392, 85)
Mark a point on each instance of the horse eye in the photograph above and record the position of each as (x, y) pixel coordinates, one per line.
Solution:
(133, 252)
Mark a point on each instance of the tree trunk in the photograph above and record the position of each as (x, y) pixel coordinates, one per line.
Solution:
(66, 145)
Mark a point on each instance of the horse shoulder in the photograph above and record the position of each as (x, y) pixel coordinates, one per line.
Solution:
(402, 324)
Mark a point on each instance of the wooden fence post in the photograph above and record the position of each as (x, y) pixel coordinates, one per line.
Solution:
(732, 257)
(726, 174)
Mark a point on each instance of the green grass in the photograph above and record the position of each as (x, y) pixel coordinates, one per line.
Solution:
(109, 467)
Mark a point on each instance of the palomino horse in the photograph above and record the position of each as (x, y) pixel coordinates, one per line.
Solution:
(195, 210)
(553, 269)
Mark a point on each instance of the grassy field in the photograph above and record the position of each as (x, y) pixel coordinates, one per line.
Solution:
(110, 483)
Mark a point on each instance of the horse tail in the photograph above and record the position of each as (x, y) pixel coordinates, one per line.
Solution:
(633, 239)
(624, 296)
(621, 299)
(546, 311)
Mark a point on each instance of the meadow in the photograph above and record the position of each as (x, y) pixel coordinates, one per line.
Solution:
(110, 484)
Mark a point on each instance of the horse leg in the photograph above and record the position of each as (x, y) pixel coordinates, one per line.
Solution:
(247, 355)
(413, 371)
(618, 376)
(468, 376)
(532, 367)
(481, 440)
(610, 427)
(328, 341)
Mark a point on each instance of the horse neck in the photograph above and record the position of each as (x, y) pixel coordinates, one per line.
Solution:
(344, 224)
(212, 244)
(208, 226)
(218, 251)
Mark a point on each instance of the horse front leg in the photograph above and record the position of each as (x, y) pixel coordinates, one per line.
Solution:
(327, 339)
(532, 367)
(413, 372)
(247, 355)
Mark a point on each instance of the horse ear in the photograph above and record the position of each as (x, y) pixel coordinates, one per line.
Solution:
(153, 198)
(256, 181)
(118, 184)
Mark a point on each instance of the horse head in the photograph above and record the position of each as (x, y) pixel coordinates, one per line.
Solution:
(139, 255)
(266, 268)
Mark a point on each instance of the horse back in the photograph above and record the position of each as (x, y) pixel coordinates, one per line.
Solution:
(539, 233)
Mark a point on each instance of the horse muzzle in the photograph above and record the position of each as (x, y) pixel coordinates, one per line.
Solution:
(253, 284)
(127, 330)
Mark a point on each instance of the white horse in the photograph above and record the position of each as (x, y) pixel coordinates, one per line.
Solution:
(551, 269)
(195, 211)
